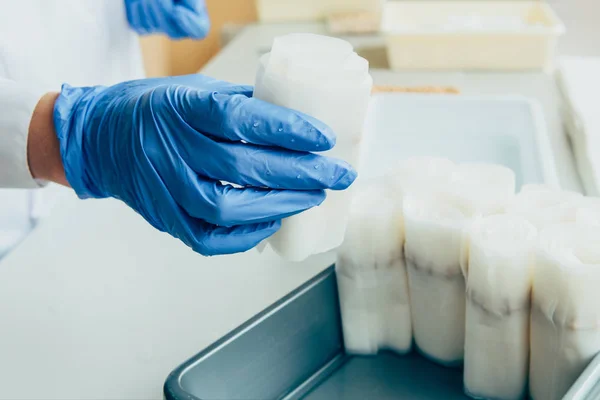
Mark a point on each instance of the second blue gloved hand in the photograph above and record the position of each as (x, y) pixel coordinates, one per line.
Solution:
(179, 19)
(165, 146)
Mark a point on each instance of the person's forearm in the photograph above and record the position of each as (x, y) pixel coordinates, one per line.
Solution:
(43, 151)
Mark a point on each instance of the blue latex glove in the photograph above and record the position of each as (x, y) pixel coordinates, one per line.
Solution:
(164, 145)
(179, 19)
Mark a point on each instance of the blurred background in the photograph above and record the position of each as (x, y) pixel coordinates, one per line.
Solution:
(165, 57)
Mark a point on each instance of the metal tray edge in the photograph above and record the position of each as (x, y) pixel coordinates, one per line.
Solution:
(172, 389)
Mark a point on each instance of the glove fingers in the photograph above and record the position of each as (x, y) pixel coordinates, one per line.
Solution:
(210, 240)
(247, 164)
(198, 82)
(238, 117)
(225, 205)
(191, 20)
(163, 212)
(226, 88)
(137, 17)
(258, 166)
(208, 84)
(197, 6)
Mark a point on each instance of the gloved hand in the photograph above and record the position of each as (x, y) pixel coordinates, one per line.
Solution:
(179, 19)
(164, 146)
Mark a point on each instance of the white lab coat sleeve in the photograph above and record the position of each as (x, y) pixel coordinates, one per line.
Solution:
(17, 103)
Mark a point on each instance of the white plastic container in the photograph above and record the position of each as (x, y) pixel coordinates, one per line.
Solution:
(404, 126)
(480, 35)
(580, 88)
(322, 77)
(310, 10)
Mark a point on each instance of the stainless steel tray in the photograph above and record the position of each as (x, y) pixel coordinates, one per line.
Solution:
(294, 350)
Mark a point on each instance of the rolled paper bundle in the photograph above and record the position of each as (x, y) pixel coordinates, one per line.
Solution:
(533, 187)
(433, 227)
(490, 188)
(371, 274)
(487, 189)
(322, 77)
(589, 213)
(417, 174)
(544, 205)
(260, 72)
(498, 307)
(565, 316)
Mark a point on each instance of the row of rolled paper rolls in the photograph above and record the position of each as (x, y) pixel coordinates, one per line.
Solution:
(449, 256)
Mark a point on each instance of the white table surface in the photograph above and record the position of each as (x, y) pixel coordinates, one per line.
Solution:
(96, 304)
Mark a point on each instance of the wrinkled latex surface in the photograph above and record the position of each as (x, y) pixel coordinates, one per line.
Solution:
(178, 19)
(171, 148)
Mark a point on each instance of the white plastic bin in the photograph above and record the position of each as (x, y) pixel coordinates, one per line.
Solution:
(471, 35)
(310, 10)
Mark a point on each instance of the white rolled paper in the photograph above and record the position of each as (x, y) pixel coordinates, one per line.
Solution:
(589, 213)
(533, 187)
(322, 77)
(371, 272)
(433, 226)
(371, 275)
(565, 317)
(421, 174)
(498, 306)
(544, 205)
(488, 187)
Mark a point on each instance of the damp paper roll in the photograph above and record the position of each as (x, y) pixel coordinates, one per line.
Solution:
(489, 188)
(497, 307)
(324, 78)
(433, 226)
(589, 213)
(417, 174)
(565, 317)
(371, 275)
(544, 205)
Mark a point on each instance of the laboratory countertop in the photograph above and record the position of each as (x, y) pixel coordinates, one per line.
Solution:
(96, 304)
